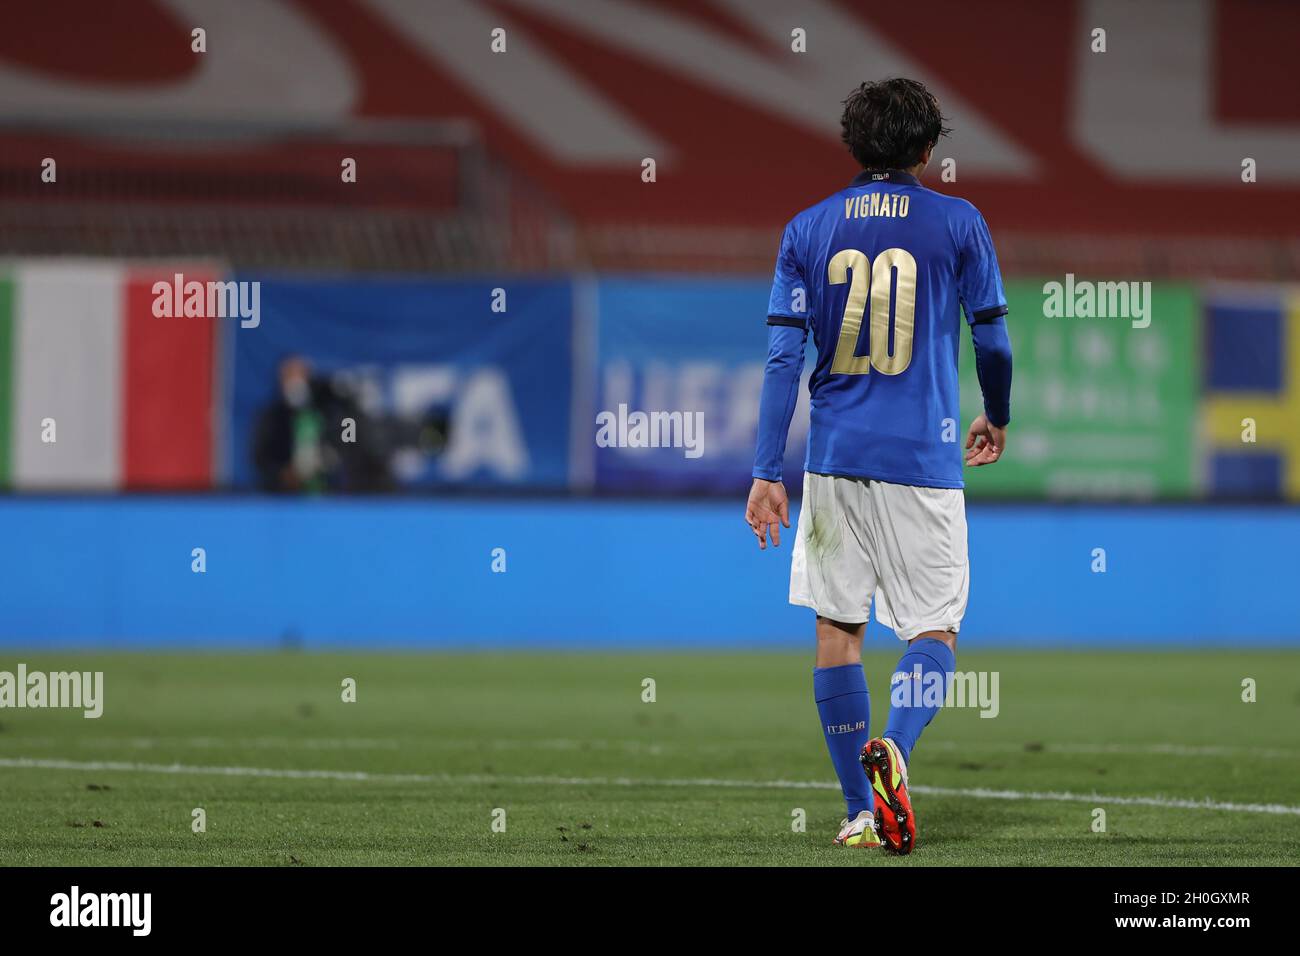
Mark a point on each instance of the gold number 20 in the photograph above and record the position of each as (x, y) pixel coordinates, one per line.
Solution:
(877, 275)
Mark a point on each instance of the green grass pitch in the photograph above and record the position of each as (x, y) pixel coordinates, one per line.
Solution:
(715, 771)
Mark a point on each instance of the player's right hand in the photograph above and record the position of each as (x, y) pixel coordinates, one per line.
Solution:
(767, 510)
(985, 442)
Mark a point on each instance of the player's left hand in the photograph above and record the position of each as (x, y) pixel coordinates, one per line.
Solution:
(767, 510)
(985, 442)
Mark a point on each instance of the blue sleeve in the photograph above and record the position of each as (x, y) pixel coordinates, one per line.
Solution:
(785, 348)
(979, 280)
(993, 366)
(788, 303)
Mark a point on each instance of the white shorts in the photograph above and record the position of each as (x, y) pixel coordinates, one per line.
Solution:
(903, 544)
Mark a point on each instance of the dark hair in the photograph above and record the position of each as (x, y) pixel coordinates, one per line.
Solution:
(888, 125)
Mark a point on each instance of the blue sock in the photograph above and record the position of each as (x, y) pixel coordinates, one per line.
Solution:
(912, 703)
(845, 709)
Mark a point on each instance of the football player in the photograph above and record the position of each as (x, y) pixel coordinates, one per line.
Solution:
(880, 274)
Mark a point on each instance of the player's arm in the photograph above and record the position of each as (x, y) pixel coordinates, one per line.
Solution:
(768, 507)
(987, 438)
(986, 308)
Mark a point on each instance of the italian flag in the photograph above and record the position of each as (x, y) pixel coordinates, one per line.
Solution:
(97, 393)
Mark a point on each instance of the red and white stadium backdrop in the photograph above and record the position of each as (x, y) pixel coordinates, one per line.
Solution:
(1050, 136)
(96, 392)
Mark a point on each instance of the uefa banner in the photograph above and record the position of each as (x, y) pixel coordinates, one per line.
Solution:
(679, 370)
(371, 386)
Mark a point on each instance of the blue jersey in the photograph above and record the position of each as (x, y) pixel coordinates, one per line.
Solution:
(879, 273)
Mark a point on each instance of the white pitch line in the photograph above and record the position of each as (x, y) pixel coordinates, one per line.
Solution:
(1171, 803)
(650, 749)
(1155, 750)
(975, 793)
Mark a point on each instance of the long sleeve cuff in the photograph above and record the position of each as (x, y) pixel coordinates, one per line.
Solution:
(780, 393)
(993, 366)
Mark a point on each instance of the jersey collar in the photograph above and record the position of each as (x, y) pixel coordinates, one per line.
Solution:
(896, 176)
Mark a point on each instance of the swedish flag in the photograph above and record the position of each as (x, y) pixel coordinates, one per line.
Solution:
(1252, 394)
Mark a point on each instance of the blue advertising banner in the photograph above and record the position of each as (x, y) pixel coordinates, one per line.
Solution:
(679, 373)
(379, 384)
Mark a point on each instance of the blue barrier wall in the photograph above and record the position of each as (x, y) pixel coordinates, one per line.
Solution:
(117, 573)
